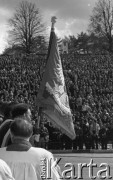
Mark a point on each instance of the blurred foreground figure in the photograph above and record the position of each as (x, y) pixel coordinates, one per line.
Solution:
(5, 172)
(24, 160)
(12, 112)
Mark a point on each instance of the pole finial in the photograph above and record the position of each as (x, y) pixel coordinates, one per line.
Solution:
(53, 20)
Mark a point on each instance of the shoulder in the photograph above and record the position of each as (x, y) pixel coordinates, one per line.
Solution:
(2, 151)
(41, 152)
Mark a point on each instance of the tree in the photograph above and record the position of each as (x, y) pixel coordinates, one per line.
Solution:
(97, 44)
(41, 46)
(83, 42)
(72, 43)
(101, 21)
(26, 26)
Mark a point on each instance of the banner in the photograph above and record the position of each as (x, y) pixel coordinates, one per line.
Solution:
(52, 96)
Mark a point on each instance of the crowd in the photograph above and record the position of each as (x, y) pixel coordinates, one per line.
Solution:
(20, 78)
(89, 82)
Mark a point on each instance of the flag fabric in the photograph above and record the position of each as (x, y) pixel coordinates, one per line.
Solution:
(52, 96)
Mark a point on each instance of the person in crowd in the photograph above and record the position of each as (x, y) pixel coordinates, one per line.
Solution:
(103, 137)
(19, 110)
(78, 141)
(94, 131)
(34, 140)
(27, 162)
(55, 136)
(87, 138)
(50, 128)
(44, 136)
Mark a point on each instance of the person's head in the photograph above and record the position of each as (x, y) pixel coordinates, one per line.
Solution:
(21, 129)
(5, 172)
(21, 110)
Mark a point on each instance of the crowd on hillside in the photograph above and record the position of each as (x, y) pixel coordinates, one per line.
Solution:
(20, 78)
(89, 82)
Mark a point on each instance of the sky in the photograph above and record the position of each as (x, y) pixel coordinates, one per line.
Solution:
(72, 16)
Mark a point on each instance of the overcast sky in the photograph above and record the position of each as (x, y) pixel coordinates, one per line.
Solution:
(72, 15)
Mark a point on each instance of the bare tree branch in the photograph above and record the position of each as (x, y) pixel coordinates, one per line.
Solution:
(26, 26)
(101, 21)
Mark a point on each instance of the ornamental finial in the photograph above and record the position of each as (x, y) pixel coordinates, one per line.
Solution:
(53, 20)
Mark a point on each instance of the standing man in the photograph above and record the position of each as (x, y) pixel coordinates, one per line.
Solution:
(27, 162)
